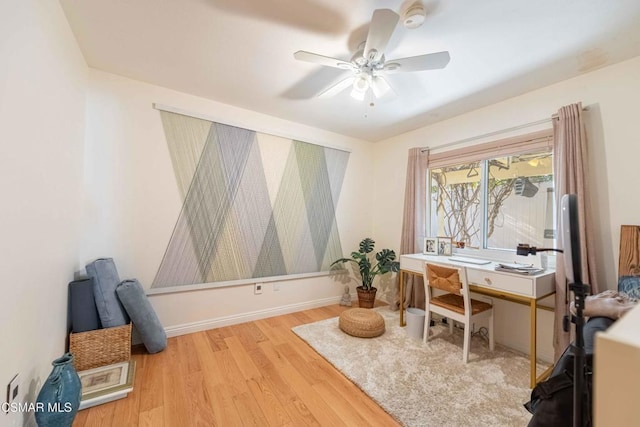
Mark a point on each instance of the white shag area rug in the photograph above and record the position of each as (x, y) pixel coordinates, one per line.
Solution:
(428, 384)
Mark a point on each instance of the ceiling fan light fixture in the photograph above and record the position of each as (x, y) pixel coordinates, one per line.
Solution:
(380, 87)
(362, 82)
(361, 85)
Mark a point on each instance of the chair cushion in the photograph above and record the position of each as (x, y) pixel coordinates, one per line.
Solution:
(143, 316)
(105, 281)
(456, 303)
(361, 322)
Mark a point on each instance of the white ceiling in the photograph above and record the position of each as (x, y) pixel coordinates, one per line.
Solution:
(240, 52)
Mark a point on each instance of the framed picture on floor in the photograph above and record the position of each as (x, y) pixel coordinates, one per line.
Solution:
(430, 246)
(106, 383)
(445, 246)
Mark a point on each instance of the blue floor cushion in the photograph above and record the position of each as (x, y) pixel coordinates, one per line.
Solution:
(142, 315)
(82, 305)
(105, 281)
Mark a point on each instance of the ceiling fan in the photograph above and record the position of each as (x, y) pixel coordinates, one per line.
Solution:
(368, 64)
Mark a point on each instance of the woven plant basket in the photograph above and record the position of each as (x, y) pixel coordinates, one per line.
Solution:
(366, 298)
(101, 347)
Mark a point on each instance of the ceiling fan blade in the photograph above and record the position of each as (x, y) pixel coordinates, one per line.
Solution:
(337, 88)
(381, 87)
(430, 61)
(314, 58)
(383, 22)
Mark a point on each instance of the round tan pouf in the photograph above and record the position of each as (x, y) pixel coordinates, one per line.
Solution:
(361, 322)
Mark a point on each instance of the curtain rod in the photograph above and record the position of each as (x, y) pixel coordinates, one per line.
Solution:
(555, 116)
(497, 132)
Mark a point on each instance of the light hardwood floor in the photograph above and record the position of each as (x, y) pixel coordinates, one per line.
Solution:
(257, 373)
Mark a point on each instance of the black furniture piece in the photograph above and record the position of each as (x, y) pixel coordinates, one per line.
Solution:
(552, 401)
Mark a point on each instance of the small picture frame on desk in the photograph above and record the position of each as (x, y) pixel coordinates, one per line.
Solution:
(445, 245)
(430, 246)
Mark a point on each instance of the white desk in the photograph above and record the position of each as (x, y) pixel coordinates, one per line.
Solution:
(483, 279)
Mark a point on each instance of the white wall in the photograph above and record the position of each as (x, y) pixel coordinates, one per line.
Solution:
(43, 79)
(613, 127)
(133, 201)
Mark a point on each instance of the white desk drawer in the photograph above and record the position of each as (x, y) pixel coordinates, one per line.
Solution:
(412, 264)
(501, 281)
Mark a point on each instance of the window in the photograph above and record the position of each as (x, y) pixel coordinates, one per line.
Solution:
(455, 203)
(495, 202)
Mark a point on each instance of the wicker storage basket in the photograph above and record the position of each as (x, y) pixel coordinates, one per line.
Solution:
(101, 347)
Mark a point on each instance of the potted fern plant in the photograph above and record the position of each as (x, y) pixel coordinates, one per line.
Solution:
(384, 263)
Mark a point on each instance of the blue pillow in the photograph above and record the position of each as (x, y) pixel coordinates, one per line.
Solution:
(105, 281)
(142, 315)
(630, 285)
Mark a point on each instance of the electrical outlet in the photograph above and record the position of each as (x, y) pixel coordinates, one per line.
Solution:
(276, 286)
(257, 288)
(12, 391)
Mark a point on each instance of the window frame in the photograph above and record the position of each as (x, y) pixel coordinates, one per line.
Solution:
(535, 142)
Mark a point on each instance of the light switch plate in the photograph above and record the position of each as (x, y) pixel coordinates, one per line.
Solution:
(13, 391)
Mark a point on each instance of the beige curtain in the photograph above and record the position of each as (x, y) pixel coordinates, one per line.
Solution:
(571, 177)
(413, 223)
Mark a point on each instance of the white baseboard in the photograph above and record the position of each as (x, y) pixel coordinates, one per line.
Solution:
(203, 325)
(218, 322)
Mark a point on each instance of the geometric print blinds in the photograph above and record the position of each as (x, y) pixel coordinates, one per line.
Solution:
(254, 205)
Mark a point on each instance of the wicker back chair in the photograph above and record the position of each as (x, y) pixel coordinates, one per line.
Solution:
(455, 303)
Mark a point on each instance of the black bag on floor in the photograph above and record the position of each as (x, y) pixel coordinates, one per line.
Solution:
(552, 400)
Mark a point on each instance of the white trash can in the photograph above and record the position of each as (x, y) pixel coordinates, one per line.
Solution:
(415, 322)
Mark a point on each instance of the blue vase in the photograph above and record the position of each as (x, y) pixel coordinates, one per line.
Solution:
(59, 397)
